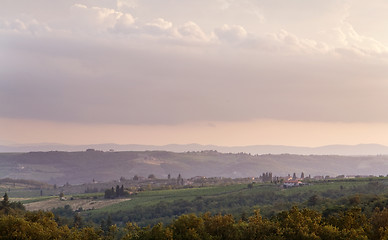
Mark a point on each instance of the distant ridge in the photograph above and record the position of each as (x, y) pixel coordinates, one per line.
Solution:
(347, 150)
(59, 167)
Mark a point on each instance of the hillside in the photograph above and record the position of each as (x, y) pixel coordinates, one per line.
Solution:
(82, 167)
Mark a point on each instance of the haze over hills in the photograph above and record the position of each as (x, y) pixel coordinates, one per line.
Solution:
(347, 150)
(58, 167)
(56, 163)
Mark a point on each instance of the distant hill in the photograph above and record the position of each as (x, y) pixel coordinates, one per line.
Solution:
(57, 167)
(348, 150)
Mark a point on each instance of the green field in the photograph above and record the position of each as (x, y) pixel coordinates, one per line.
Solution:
(149, 198)
(152, 206)
(324, 207)
(149, 207)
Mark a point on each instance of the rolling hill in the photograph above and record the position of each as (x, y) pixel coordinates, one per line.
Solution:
(57, 167)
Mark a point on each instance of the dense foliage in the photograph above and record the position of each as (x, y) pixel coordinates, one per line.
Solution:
(293, 224)
(111, 193)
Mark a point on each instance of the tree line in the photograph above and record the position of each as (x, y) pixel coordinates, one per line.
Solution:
(294, 224)
(112, 193)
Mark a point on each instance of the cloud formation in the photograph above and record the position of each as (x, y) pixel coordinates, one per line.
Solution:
(99, 18)
(125, 62)
(234, 33)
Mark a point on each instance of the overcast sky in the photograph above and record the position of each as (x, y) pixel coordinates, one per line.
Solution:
(220, 72)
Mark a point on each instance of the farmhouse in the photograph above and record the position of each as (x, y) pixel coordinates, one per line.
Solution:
(291, 183)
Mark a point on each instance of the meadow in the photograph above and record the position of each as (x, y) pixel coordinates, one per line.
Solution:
(153, 205)
(240, 200)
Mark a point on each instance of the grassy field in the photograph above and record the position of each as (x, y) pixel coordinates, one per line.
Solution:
(149, 198)
(235, 199)
(75, 204)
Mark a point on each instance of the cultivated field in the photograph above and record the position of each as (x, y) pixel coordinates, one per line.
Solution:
(85, 204)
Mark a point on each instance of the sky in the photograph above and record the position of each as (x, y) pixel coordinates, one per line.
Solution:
(222, 72)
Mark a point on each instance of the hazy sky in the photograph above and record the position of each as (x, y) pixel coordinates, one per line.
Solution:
(223, 72)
